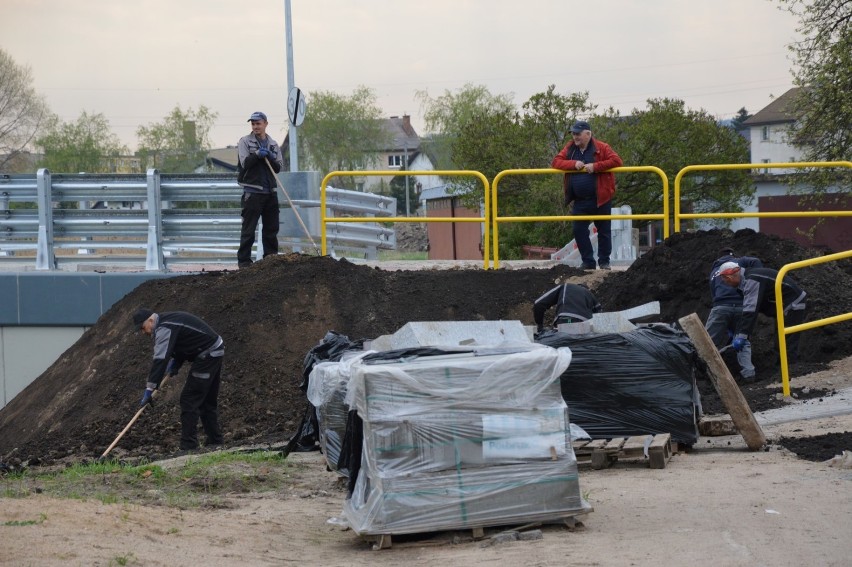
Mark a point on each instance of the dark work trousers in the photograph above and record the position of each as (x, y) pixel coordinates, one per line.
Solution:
(581, 232)
(258, 206)
(199, 399)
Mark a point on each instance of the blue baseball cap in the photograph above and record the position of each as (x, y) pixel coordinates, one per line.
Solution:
(255, 116)
(579, 126)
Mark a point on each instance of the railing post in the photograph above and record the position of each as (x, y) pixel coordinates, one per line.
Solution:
(154, 253)
(45, 258)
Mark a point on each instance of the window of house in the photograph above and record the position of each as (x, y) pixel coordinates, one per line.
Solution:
(764, 133)
(766, 169)
(394, 161)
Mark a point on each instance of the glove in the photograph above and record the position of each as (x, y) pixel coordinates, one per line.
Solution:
(263, 153)
(170, 368)
(147, 397)
(740, 341)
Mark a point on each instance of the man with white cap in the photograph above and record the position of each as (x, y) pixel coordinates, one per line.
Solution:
(757, 286)
(727, 309)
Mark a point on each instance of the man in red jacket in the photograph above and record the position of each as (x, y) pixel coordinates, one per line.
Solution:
(590, 190)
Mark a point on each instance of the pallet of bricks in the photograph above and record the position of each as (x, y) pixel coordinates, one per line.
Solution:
(462, 440)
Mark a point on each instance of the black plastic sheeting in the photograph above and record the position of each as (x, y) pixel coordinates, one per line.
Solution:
(632, 383)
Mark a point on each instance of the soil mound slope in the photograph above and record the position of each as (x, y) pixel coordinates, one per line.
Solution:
(273, 313)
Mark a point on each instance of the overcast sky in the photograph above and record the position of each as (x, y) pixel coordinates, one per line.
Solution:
(135, 60)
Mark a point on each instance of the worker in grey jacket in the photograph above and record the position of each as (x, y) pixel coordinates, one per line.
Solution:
(757, 286)
(259, 160)
(727, 310)
(180, 337)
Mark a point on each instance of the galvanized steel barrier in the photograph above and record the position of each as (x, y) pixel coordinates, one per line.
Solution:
(324, 220)
(158, 234)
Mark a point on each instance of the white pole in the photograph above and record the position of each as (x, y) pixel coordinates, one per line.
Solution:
(291, 82)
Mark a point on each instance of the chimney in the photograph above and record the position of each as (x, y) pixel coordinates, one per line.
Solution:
(406, 124)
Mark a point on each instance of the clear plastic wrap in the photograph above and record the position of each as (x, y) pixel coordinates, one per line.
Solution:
(631, 383)
(326, 392)
(462, 440)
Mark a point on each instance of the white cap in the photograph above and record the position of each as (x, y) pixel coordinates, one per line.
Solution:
(727, 269)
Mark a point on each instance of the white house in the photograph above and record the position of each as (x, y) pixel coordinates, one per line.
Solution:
(769, 131)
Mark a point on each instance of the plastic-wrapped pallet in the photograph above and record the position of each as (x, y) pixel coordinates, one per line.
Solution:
(463, 440)
(327, 391)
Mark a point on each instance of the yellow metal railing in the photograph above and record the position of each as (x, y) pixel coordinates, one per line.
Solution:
(484, 219)
(779, 312)
(664, 216)
(729, 166)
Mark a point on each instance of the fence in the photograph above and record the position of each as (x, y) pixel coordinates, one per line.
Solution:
(135, 215)
(779, 312)
(496, 218)
(335, 223)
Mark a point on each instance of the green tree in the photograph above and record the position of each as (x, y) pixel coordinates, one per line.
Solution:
(823, 104)
(178, 144)
(22, 111)
(824, 69)
(452, 112)
(740, 118)
(80, 146)
(670, 136)
(666, 134)
(343, 133)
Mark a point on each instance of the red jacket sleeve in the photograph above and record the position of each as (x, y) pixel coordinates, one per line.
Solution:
(561, 160)
(609, 159)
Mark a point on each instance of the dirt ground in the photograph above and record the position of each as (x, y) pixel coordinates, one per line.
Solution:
(717, 501)
(718, 505)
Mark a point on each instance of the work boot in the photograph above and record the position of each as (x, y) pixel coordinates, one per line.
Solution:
(588, 266)
(605, 266)
(748, 378)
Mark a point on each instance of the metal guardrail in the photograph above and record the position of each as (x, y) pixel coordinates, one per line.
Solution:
(779, 312)
(736, 166)
(34, 217)
(335, 223)
(496, 218)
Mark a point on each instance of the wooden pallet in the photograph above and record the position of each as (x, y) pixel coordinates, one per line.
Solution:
(385, 541)
(601, 453)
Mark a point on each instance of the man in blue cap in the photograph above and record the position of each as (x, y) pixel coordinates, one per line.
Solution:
(589, 190)
(259, 161)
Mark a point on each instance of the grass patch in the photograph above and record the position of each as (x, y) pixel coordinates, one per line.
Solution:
(11, 523)
(197, 481)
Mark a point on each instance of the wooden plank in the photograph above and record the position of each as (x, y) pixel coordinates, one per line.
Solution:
(635, 446)
(615, 445)
(724, 383)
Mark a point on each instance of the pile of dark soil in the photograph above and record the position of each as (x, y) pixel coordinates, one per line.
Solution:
(273, 313)
(819, 448)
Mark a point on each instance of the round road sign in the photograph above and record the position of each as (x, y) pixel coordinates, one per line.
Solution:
(296, 106)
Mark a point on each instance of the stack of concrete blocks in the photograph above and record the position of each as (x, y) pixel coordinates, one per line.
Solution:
(463, 440)
(327, 392)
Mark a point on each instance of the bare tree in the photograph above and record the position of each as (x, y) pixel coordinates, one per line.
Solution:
(22, 110)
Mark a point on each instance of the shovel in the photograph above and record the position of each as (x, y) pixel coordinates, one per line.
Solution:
(132, 421)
